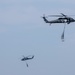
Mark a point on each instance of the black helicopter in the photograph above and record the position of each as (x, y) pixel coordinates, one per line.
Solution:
(62, 19)
(27, 58)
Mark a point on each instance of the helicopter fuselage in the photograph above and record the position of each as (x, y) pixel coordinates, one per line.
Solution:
(26, 58)
(59, 20)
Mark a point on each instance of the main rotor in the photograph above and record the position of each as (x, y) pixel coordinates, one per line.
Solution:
(61, 15)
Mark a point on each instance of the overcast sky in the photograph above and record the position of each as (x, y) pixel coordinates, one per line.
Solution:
(23, 32)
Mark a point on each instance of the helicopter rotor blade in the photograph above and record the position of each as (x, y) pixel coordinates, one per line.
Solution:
(54, 16)
(66, 15)
(63, 15)
(30, 56)
(71, 15)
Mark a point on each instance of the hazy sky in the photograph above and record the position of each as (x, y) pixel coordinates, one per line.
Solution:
(23, 32)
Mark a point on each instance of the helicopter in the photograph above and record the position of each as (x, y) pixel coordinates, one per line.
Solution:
(27, 58)
(62, 19)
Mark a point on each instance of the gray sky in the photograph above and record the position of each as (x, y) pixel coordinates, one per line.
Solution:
(23, 32)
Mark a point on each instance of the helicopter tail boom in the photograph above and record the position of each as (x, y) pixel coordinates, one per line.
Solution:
(45, 20)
